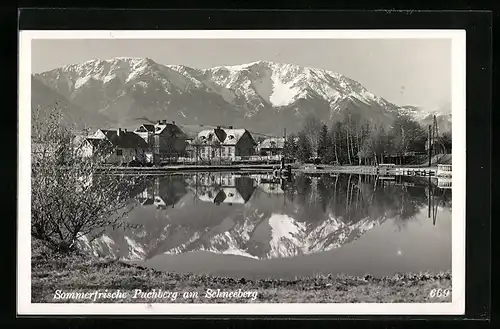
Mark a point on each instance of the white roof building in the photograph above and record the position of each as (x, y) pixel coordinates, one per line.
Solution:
(222, 135)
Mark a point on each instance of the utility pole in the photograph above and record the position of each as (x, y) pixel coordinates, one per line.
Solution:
(282, 151)
(429, 138)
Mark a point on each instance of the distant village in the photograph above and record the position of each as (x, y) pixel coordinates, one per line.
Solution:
(165, 142)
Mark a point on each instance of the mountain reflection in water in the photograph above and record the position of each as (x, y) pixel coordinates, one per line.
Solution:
(259, 225)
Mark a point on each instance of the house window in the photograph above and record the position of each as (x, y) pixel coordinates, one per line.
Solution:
(119, 152)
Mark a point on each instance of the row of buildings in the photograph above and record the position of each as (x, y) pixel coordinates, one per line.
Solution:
(166, 142)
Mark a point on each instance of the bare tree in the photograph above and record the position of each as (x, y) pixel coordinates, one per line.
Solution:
(312, 128)
(407, 136)
(72, 195)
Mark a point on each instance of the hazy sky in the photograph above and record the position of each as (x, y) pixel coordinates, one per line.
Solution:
(406, 72)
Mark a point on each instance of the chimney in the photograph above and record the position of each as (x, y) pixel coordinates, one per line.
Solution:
(218, 127)
(159, 122)
(230, 127)
(173, 122)
(119, 131)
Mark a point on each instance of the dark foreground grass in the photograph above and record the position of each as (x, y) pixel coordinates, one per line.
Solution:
(55, 276)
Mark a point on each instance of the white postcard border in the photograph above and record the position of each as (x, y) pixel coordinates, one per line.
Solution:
(457, 306)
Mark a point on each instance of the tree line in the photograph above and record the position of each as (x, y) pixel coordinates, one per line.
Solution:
(357, 141)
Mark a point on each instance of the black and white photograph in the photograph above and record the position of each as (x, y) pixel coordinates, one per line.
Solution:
(242, 171)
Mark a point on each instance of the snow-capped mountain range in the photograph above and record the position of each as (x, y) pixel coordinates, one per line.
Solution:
(287, 238)
(261, 96)
(258, 233)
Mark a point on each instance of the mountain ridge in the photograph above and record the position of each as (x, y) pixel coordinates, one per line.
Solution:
(263, 96)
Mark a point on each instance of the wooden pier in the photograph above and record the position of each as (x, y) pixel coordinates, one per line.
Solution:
(443, 170)
(409, 171)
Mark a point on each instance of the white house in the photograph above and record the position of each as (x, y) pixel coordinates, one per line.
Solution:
(224, 144)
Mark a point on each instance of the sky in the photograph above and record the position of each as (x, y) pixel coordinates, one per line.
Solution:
(403, 71)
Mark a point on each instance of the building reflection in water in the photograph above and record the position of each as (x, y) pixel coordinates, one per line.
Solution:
(227, 188)
(163, 192)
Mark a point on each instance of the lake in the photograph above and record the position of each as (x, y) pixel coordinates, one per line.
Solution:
(257, 225)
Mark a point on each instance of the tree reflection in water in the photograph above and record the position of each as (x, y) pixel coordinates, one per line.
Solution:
(352, 198)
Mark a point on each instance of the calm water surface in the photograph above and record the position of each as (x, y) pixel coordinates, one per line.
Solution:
(256, 226)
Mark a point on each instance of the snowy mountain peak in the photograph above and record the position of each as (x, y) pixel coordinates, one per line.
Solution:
(280, 84)
(71, 77)
(102, 66)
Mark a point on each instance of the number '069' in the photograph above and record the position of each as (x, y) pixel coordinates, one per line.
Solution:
(439, 293)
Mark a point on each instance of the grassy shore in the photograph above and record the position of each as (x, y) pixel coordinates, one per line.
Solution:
(83, 274)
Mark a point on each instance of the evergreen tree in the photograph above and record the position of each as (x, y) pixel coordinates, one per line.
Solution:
(323, 144)
(290, 147)
(304, 148)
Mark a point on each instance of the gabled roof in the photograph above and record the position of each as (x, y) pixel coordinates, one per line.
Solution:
(126, 139)
(147, 127)
(171, 128)
(223, 135)
(96, 142)
(233, 196)
(270, 143)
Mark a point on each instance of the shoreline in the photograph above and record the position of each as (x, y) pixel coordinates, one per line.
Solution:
(307, 169)
(85, 274)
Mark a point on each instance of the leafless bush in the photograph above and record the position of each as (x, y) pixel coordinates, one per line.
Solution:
(72, 195)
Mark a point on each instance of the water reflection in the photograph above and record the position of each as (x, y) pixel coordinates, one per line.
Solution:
(223, 188)
(187, 222)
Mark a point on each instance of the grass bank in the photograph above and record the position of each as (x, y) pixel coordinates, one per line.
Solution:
(83, 274)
